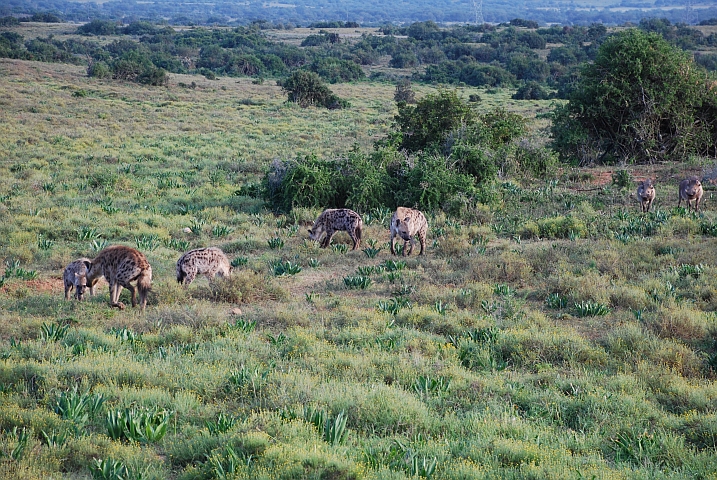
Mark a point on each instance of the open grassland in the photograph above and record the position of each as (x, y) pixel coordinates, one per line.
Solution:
(555, 333)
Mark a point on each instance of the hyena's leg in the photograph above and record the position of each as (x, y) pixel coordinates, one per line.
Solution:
(189, 276)
(68, 287)
(393, 243)
(327, 240)
(422, 239)
(406, 249)
(134, 294)
(354, 237)
(115, 290)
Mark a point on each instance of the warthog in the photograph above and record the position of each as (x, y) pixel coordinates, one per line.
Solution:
(646, 194)
(691, 189)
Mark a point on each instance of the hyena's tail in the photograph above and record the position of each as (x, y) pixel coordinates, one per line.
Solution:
(359, 227)
(180, 273)
(144, 285)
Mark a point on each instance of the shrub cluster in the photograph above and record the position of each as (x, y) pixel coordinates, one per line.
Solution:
(441, 156)
(306, 88)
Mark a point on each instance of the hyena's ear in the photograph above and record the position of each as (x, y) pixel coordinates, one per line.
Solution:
(310, 232)
(88, 265)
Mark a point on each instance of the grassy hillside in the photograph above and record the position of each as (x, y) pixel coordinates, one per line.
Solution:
(557, 333)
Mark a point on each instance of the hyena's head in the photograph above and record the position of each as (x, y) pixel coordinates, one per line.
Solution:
(316, 231)
(80, 283)
(403, 228)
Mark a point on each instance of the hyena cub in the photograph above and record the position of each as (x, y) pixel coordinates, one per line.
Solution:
(208, 261)
(333, 220)
(408, 223)
(646, 194)
(75, 276)
(121, 265)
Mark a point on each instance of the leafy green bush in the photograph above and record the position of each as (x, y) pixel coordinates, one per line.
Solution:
(531, 90)
(335, 70)
(639, 77)
(99, 70)
(306, 89)
(430, 121)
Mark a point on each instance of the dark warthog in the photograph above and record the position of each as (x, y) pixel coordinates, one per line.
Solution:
(691, 189)
(646, 194)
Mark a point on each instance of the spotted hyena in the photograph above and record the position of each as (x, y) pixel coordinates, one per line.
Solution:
(691, 189)
(334, 220)
(408, 223)
(75, 276)
(208, 261)
(121, 265)
(646, 194)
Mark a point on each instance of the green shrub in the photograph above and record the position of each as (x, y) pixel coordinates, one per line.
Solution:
(99, 70)
(561, 227)
(306, 89)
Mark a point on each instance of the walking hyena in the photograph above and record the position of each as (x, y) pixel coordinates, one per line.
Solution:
(208, 261)
(646, 194)
(408, 223)
(691, 189)
(121, 265)
(75, 276)
(333, 220)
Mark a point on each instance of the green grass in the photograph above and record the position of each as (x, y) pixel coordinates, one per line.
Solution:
(473, 361)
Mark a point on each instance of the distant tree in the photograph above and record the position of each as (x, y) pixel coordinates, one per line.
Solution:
(140, 28)
(519, 22)
(707, 60)
(430, 121)
(45, 17)
(404, 92)
(335, 70)
(527, 67)
(403, 59)
(315, 40)
(531, 91)
(98, 27)
(424, 31)
(640, 99)
(9, 21)
(306, 89)
(135, 66)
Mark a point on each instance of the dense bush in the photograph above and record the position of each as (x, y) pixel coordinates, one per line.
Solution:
(306, 88)
(531, 91)
(640, 99)
(98, 27)
(431, 120)
(9, 21)
(469, 72)
(404, 92)
(455, 162)
(335, 70)
(134, 66)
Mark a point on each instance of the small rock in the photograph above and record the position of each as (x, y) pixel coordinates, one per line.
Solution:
(187, 230)
(235, 311)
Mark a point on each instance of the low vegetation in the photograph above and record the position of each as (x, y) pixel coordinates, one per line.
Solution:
(551, 330)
